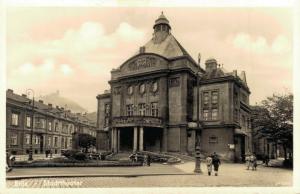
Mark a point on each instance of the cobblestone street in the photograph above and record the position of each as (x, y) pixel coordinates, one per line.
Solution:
(229, 175)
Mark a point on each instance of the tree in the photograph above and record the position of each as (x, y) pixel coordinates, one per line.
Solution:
(86, 141)
(274, 120)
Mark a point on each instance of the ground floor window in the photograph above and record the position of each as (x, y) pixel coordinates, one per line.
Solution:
(14, 139)
(27, 138)
(213, 140)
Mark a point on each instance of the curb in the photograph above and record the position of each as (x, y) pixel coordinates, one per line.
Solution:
(92, 175)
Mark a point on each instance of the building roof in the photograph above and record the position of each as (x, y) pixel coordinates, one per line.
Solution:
(168, 48)
(46, 109)
(162, 20)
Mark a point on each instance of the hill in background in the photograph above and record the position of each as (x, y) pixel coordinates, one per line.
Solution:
(56, 100)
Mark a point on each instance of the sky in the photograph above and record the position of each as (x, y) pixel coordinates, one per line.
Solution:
(73, 49)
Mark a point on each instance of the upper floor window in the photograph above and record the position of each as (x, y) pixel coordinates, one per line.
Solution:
(154, 109)
(214, 97)
(36, 139)
(49, 141)
(27, 138)
(142, 88)
(214, 114)
(130, 90)
(28, 121)
(142, 109)
(205, 98)
(106, 122)
(55, 141)
(50, 126)
(206, 115)
(15, 119)
(14, 139)
(107, 109)
(56, 126)
(129, 109)
(40, 123)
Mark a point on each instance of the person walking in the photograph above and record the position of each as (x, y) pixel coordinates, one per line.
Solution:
(145, 160)
(216, 163)
(209, 164)
(247, 159)
(253, 161)
(148, 160)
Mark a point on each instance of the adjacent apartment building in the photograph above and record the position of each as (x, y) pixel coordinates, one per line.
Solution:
(152, 103)
(53, 127)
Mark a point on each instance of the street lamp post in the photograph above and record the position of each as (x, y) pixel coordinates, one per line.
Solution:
(197, 156)
(28, 91)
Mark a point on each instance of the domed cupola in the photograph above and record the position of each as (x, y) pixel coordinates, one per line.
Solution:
(161, 28)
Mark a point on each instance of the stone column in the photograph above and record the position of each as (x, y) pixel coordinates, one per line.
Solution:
(135, 130)
(118, 145)
(116, 140)
(112, 139)
(165, 140)
(141, 144)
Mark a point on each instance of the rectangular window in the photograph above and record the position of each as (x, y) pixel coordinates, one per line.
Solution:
(36, 139)
(55, 139)
(142, 109)
(107, 109)
(205, 98)
(214, 97)
(205, 115)
(213, 139)
(129, 109)
(28, 121)
(154, 109)
(14, 139)
(56, 126)
(70, 142)
(106, 121)
(50, 126)
(27, 138)
(15, 119)
(62, 142)
(214, 114)
(49, 141)
(236, 115)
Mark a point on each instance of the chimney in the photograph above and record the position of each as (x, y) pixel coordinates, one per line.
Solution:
(50, 105)
(142, 49)
(211, 64)
(57, 107)
(243, 77)
(235, 73)
(78, 114)
(62, 108)
(24, 95)
(10, 91)
(41, 101)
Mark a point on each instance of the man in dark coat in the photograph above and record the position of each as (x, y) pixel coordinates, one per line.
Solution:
(216, 163)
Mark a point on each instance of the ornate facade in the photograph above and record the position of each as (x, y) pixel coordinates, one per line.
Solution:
(152, 103)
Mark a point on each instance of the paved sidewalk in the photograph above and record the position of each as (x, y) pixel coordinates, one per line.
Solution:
(154, 169)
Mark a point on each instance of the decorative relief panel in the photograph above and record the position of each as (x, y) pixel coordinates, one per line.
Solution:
(142, 63)
(117, 90)
(174, 82)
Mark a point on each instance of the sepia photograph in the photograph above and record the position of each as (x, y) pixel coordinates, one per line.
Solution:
(149, 97)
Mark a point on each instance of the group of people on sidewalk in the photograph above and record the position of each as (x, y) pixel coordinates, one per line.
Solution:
(213, 160)
(251, 161)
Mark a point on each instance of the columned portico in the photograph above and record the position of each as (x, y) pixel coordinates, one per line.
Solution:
(141, 143)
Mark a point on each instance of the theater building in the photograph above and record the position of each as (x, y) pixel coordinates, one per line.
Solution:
(152, 103)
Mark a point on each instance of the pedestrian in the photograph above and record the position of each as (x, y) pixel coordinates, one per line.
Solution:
(209, 164)
(145, 160)
(216, 163)
(148, 160)
(267, 159)
(247, 159)
(253, 161)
